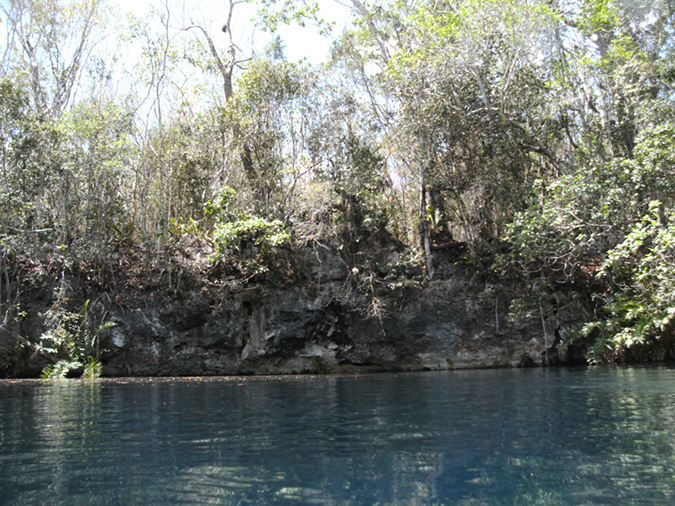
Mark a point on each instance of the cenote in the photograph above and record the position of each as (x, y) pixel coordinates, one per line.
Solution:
(572, 436)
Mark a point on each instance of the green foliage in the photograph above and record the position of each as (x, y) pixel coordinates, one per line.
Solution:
(523, 307)
(221, 206)
(272, 14)
(269, 114)
(98, 146)
(541, 130)
(123, 236)
(590, 232)
(251, 245)
(74, 341)
(562, 239)
(472, 83)
(183, 228)
(92, 369)
(258, 231)
(234, 231)
(642, 306)
(319, 366)
(8, 359)
(357, 174)
(26, 145)
(60, 369)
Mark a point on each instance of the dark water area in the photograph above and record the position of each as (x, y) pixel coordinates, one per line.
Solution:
(536, 436)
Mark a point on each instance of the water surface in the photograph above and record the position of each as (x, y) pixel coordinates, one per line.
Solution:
(548, 436)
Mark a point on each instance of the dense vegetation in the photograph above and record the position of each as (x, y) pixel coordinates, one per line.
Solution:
(539, 133)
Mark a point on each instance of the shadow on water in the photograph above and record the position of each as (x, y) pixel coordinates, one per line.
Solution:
(543, 436)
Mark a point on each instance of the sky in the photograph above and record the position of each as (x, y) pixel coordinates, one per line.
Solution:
(299, 42)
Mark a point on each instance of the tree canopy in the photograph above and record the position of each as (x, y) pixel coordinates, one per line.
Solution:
(540, 134)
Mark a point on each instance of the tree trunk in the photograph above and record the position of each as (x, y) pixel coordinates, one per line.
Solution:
(226, 69)
(425, 239)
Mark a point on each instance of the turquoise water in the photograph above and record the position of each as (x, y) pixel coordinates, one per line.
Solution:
(537, 436)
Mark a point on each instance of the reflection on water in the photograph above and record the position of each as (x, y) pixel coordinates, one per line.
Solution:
(476, 437)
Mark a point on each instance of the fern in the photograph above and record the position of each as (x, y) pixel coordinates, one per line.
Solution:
(92, 369)
(77, 338)
(61, 369)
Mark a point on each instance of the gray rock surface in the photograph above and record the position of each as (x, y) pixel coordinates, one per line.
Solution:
(327, 323)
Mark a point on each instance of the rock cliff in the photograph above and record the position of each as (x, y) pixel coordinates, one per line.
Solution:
(338, 318)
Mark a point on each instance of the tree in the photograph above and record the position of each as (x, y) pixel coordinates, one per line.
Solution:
(227, 62)
(345, 154)
(603, 227)
(97, 139)
(270, 113)
(451, 85)
(49, 41)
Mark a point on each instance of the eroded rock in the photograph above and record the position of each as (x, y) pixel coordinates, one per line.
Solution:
(338, 318)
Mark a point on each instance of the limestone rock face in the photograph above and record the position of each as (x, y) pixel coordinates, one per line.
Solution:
(333, 321)
(271, 330)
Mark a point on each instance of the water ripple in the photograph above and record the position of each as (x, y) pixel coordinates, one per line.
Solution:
(499, 437)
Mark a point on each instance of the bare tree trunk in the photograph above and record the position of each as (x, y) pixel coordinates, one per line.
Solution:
(226, 68)
(65, 232)
(423, 221)
(368, 18)
(43, 32)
